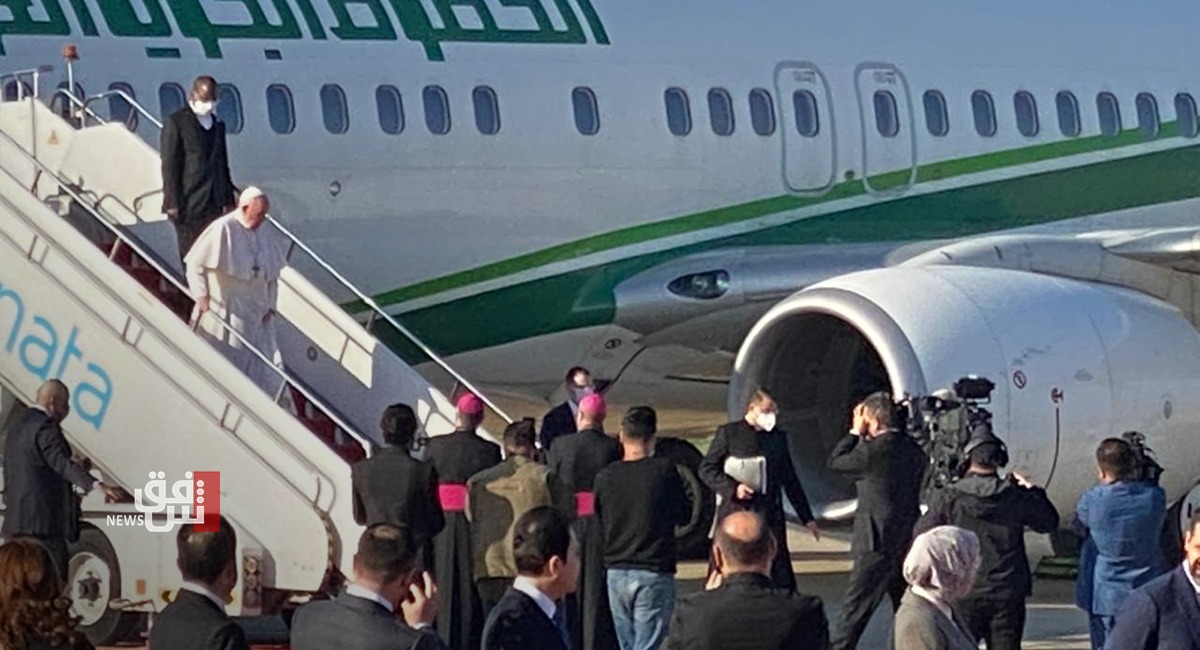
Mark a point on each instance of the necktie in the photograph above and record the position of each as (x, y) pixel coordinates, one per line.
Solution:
(560, 624)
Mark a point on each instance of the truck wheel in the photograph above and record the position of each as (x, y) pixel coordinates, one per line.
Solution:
(692, 537)
(94, 582)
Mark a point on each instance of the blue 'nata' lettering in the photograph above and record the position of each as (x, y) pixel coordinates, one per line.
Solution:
(37, 348)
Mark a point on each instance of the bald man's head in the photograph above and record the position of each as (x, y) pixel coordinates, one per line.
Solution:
(54, 397)
(744, 544)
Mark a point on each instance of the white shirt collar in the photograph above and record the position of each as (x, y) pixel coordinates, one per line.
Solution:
(197, 588)
(359, 591)
(525, 586)
(1187, 571)
(934, 600)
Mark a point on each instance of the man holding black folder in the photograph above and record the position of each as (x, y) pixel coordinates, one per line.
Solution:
(749, 466)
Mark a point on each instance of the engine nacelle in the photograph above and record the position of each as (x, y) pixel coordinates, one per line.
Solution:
(1073, 362)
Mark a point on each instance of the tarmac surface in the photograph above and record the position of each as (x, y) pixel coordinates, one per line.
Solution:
(822, 568)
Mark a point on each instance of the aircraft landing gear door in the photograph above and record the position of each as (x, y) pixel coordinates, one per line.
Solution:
(888, 140)
(806, 127)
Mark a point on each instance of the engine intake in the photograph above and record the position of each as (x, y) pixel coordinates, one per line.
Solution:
(1075, 362)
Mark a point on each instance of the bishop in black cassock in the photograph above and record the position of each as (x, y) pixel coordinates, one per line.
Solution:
(576, 459)
(457, 457)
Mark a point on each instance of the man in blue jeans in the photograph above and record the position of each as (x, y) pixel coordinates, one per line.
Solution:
(1121, 519)
(638, 503)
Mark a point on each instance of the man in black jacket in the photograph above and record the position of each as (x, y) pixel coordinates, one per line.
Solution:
(547, 558)
(367, 616)
(560, 420)
(997, 510)
(196, 619)
(393, 487)
(457, 457)
(742, 609)
(576, 459)
(754, 437)
(889, 466)
(40, 476)
(197, 187)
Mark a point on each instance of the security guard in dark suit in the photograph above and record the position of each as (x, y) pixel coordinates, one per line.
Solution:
(889, 466)
(40, 476)
(395, 488)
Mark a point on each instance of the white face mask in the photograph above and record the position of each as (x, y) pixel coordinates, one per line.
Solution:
(203, 108)
(578, 394)
(766, 421)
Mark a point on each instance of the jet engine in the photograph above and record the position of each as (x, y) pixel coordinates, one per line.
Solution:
(1074, 362)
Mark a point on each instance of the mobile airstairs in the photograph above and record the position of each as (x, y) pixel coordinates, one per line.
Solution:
(91, 292)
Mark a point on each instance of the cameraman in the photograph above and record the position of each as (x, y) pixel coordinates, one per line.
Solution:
(1121, 519)
(997, 510)
(888, 466)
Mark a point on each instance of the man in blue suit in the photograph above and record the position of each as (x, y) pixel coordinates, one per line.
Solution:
(1164, 614)
(1121, 519)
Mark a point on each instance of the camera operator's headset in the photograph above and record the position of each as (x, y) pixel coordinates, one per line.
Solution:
(978, 440)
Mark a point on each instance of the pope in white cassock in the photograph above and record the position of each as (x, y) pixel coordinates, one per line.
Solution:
(233, 272)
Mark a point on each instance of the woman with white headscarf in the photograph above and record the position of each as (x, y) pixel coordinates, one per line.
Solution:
(940, 569)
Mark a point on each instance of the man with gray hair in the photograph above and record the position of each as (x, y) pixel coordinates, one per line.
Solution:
(233, 274)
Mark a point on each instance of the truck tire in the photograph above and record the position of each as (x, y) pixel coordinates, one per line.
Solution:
(692, 537)
(94, 582)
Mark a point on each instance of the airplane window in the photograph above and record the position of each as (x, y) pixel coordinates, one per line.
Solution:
(808, 122)
(1027, 117)
(1185, 115)
(334, 109)
(229, 107)
(679, 113)
(1110, 114)
(1147, 113)
(985, 113)
(762, 112)
(119, 108)
(170, 99)
(390, 107)
(887, 117)
(587, 111)
(937, 120)
(437, 110)
(720, 111)
(281, 113)
(1068, 114)
(487, 110)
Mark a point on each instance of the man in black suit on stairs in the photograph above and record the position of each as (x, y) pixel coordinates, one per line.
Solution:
(197, 187)
(547, 558)
(196, 619)
(390, 605)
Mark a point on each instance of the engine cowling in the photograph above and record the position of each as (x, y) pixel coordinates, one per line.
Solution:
(1074, 363)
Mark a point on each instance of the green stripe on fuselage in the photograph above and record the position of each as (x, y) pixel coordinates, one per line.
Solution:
(753, 210)
(585, 297)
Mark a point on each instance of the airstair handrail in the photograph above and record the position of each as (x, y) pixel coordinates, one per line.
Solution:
(78, 103)
(36, 73)
(359, 293)
(133, 103)
(169, 275)
(369, 302)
